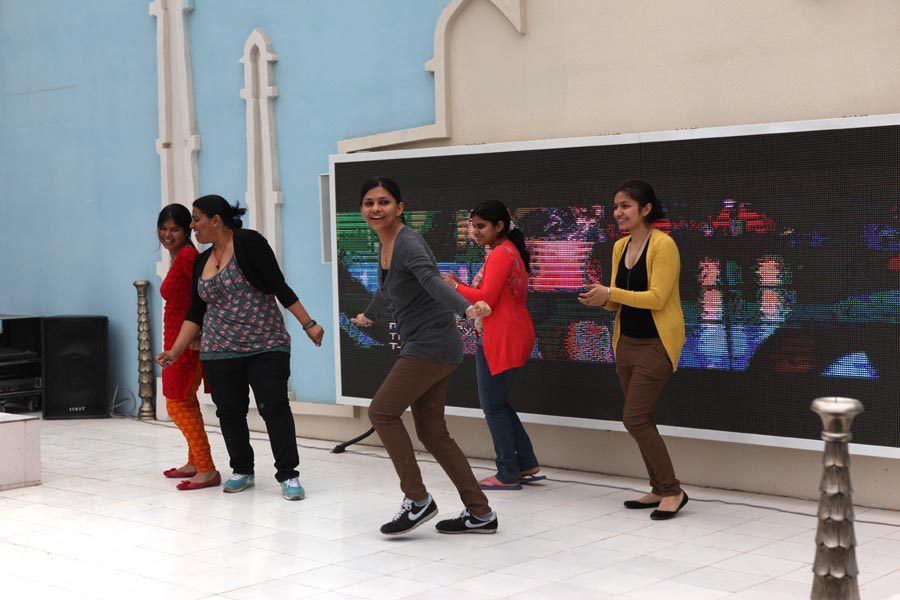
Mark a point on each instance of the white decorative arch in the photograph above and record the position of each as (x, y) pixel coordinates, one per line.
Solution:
(513, 10)
(178, 140)
(263, 197)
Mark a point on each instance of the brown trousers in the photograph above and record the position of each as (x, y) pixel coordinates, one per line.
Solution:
(644, 368)
(422, 386)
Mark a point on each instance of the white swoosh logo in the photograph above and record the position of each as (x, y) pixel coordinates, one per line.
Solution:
(414, 516)
(474, 524)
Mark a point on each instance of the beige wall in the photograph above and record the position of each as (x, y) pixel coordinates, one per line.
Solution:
(593, 67)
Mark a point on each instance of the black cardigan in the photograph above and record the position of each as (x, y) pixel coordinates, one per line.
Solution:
(257, 262)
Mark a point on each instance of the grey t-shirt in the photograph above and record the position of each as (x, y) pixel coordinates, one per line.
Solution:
(423, 305)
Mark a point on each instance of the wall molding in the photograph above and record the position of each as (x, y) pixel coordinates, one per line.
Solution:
(263, 197)
(178, 141)
(439, 65)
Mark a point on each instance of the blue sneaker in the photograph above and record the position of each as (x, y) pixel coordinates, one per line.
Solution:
(292, 489)
(237, 483)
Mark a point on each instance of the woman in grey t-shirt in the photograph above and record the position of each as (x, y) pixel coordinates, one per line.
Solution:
(424, 310)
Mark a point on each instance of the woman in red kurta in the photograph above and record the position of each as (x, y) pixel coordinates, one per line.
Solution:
(182, 379)
(505, 341)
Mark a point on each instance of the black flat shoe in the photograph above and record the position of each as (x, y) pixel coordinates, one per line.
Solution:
(662, 515)
(638, 504)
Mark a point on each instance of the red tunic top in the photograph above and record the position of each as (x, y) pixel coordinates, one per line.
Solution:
(508, 336)
(176, 291)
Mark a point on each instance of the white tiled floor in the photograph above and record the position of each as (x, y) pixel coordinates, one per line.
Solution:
(105, 524)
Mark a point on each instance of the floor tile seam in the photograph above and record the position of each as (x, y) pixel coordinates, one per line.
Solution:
(221, 593)
(651, 527)
(7, 540)
(776, 579)
(432, 586)
(893, 573)
(327, 589)
(861, 548)
(198, 568)
(769, 577)
(51, 585)
(279, 553)
(801, 563)
(700, 568)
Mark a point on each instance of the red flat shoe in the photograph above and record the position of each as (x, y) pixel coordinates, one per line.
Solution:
(190, 485)
(174, 473)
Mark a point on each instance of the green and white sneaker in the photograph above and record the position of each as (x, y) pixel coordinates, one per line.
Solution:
(238, 483)
(292, 489)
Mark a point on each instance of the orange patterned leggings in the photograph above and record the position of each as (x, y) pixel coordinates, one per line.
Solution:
(186, 415)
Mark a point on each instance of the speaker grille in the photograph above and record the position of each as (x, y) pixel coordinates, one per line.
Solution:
(75, 367)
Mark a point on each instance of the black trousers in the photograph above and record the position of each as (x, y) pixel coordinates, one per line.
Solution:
(230, 381)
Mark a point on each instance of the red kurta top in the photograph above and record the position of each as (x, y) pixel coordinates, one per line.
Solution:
(508, 335)
(176, 290)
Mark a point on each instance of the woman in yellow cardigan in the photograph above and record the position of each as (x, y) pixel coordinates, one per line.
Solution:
(649, 333)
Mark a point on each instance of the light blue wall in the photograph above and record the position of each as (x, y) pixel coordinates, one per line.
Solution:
(346, 68)
(79, 176)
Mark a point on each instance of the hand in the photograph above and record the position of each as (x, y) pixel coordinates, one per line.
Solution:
(362, 320)
(597, 295)
(315, 334)
(195, 344)
(451, 279)
(478, 310)
(166, 358)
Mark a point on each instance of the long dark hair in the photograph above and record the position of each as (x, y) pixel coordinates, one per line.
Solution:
(494, 211)
(213, 205)
(180, 215)
(642, 193)
(389, 184)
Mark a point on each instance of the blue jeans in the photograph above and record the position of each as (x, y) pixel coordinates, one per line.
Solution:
(511, 444)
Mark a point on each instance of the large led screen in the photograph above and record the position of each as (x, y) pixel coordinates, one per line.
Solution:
(790, 281)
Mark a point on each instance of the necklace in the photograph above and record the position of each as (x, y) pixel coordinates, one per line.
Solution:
(634, 263)
(224, 250)
(640, 248)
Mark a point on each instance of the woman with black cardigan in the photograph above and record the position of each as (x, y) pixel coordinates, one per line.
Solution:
(245, 343)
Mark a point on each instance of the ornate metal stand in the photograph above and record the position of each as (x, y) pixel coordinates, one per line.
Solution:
(145, 355)
(834, 570)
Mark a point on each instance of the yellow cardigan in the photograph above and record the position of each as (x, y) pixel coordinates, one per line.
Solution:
(662, 297)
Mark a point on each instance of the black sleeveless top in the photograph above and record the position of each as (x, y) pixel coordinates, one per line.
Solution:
(635, 322)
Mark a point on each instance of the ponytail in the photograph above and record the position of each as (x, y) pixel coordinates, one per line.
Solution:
(516, 236)
(494, 211)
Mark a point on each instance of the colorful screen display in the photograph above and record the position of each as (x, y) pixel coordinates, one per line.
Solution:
(790, 280)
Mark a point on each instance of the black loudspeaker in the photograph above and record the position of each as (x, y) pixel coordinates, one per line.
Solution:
(76, 371)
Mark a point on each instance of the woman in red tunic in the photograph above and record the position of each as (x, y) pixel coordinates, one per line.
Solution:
(182, 379)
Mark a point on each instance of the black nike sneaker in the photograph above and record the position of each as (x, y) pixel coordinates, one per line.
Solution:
(410, 517)
(466, 522)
